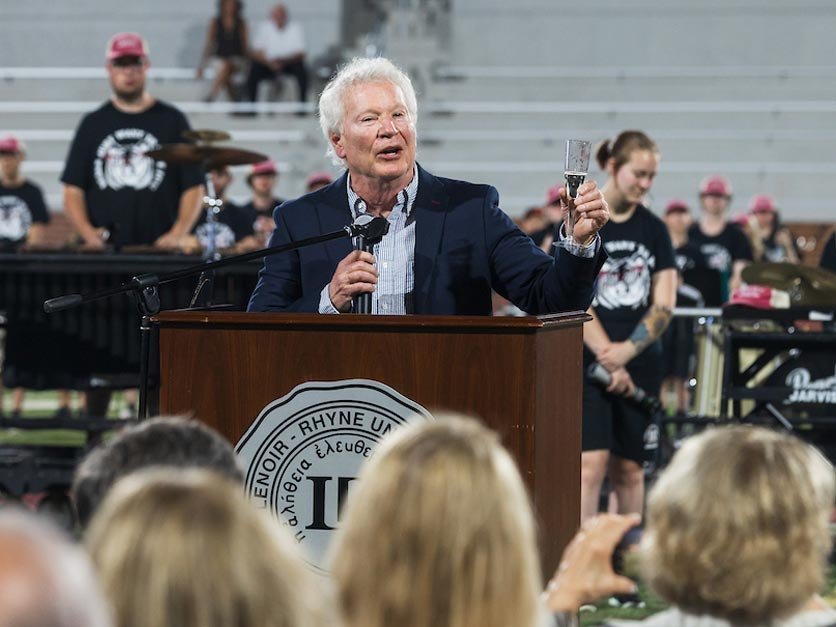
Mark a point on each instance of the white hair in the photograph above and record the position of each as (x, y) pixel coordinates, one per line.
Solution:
(356, 72)
(70, 595)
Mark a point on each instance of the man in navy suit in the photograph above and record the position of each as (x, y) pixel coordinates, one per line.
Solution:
(448, 242)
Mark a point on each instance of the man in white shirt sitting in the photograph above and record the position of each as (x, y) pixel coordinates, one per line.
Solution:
(278, 48)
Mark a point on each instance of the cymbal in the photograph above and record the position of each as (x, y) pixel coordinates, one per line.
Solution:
(807, 285)
(211, 157)
(206, 135)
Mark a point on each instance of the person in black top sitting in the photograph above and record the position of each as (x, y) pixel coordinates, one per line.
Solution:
(226, 41)
(778, 244)
(262, 179)
(23, 212)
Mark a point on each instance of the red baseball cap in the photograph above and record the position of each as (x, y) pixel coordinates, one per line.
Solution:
(126, 45)
(762, 203)
(676, 206)
(716, 186)
(11, 145)
(553, 195)
(319, 178)
(262, 168)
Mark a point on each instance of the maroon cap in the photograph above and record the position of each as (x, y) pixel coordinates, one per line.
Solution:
(716, 186)
(761, 203)
(676, 206)
(126, 45)
(319, 178)
(553, 195)
(11, 145)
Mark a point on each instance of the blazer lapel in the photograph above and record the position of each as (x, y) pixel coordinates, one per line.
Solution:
(333, 214)
(431, 206)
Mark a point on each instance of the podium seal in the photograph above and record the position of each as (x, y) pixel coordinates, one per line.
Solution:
(304, 450)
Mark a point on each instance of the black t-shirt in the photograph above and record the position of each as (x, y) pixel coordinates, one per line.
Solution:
(828, 256)
(134, 196)
(232, 225)
(20, 207)
(722, 250)
(251, 210)
(689, 257)
(637, 249)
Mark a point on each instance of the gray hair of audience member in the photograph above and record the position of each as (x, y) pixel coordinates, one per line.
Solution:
(191, 550)
(437, 532)
(737, 525)
(359, 71)
(45, 580)
(173, 442)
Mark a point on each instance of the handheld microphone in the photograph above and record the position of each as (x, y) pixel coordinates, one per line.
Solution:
(367, 231)
(600, 375)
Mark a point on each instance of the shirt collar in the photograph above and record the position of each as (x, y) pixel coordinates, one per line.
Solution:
(405, 200)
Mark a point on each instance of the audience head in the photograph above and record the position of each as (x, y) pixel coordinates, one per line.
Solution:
(631, 161)
(127, 65)
(678, 217)
(737, 526)
(189, 549)
(170, 442)
(437, 532)
(11, 155)
(763, 208)
(221, 180)
(263, 176)
(317, 180)
(357, 73)
(715, 195)
(230, 7)
(279, 15)
(45, 580)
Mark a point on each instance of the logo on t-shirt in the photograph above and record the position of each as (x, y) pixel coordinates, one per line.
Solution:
(624, 280)
(716, 256)
(121, 161)
(15, 218)
(224, 235)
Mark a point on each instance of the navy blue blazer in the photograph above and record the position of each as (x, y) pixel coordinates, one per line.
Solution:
(464, 247)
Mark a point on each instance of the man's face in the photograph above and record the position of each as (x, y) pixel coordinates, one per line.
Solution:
(262, 184)
(279, 15)
(10, 164)
(713, 204)
(221, 179)
(378, 136)
(127, 77)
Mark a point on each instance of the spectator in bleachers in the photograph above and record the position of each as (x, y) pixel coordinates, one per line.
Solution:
(737, 532)
(778, 244)
(188, 549)
(553, 212)
(636, 293)
(226, 45)
(262, 181)
(171, 442)
(45, 580)
(278, 47)
(828, 256)
(725, 248)
(317, 180)
(438, 532)
(232, 229)
(113, 192)
(23, 212)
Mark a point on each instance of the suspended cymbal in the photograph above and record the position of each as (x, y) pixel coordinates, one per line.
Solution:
(206, 135)
(807, 286)
(210, 157)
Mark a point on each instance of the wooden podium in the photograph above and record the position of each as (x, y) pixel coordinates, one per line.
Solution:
(522, 376)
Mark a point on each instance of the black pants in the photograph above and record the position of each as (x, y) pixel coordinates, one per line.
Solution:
(260, 72)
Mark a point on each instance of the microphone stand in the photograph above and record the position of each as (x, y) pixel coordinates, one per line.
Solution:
(144, 289)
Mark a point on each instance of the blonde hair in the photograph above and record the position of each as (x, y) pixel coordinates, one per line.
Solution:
(359, 71)
(737, 526)
(438, 532)
(187, 548)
